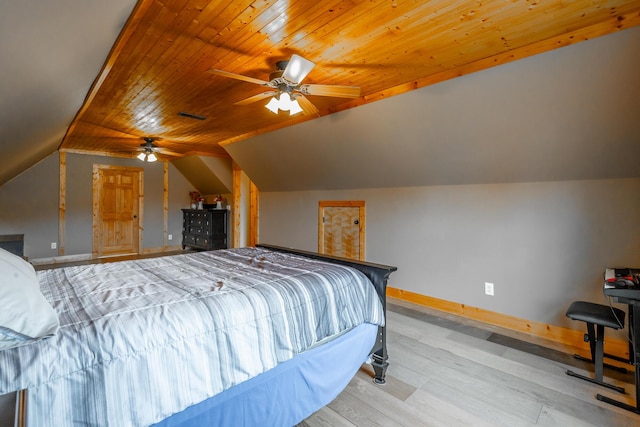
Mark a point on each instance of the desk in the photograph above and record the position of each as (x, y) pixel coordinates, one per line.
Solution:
(630, 296)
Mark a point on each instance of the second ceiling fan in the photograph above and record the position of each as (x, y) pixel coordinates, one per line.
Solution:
(287, 91)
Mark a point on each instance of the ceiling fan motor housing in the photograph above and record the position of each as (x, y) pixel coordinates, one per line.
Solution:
(281, 65)
(276, 75)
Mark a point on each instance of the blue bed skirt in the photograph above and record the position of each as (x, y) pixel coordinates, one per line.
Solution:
(288, 393)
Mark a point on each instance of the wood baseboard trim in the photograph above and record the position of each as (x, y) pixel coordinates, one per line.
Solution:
(564, 336)
(160, 249)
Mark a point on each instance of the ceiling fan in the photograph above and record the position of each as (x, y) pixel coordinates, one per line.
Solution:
(148, 150)
(287, 91)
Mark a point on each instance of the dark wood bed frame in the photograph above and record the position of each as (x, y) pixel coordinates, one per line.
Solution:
(378, 274)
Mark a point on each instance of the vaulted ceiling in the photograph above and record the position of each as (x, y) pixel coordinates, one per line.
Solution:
(158, 67)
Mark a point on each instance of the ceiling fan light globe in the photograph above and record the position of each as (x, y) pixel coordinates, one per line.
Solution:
(297, 69)
(152, 158)
(272, 105)
(141, 156)
(285, 101)
(295, 108)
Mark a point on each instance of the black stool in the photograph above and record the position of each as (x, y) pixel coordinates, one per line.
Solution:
(602, 316)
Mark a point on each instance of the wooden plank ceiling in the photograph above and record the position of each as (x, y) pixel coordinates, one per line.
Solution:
(159, 66)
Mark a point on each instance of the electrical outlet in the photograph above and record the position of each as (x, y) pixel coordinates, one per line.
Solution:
(170, 237)
(488, 288)
(54, 245)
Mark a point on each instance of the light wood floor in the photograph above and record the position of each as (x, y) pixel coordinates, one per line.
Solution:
(448, 371)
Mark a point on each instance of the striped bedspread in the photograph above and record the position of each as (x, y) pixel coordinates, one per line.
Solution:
(141, 340)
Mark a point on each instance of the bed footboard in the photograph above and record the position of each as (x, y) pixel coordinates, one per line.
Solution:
(378, 274)
(13, 409)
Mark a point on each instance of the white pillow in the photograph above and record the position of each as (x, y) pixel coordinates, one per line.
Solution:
(25, 314)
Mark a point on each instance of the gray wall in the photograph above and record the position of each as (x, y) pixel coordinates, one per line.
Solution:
(543, 245)
(29, 204)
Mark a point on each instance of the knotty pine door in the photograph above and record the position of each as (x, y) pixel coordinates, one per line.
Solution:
(116, 210)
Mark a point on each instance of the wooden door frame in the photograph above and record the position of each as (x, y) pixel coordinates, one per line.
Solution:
(96, 203)
(322, 204)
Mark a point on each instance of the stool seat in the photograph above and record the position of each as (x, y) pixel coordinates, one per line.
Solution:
(597, 314)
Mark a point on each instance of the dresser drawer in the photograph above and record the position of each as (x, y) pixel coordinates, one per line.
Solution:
(196, 230)
(196, 222)
(188, 239)
(202, 241)
(201, 216)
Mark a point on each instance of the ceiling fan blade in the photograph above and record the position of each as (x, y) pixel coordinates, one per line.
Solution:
(331, 90)
(167, 152)
(297, 69)
(308, 109)
(256, 98)
(239, 77)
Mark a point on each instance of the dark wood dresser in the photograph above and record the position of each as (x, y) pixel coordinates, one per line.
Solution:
(13, 243)
(204, 228)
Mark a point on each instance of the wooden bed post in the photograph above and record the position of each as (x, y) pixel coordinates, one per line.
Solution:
(20, 419)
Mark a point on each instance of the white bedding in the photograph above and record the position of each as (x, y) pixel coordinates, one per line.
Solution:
(141, 340)
(25, 315)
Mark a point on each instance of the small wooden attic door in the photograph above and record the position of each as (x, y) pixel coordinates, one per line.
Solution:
(341, 229)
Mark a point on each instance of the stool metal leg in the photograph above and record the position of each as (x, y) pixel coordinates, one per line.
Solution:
(596, 344)
(606, 365)
(590, 338)
(599, 345)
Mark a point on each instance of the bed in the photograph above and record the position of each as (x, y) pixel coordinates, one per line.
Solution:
(250, 336)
